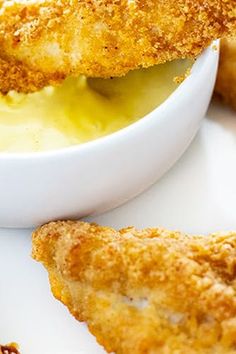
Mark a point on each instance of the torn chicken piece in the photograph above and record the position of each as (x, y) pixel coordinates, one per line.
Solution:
(43, 42)
(148, 291)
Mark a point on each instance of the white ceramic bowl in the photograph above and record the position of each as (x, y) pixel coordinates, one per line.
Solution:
(102, 174)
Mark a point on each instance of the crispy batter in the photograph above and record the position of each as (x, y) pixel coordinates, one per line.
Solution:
(102, 38)
(226, 80)
(144, 292)
(14, 74)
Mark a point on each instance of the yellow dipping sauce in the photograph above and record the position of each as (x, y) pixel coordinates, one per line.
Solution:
(83, 109)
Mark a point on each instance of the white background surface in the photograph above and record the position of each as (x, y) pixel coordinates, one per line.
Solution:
(198, 195)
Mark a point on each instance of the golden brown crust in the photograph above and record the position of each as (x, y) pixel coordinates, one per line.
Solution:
(151, 291)
(103, 38)
(14, 74)
(226, 80)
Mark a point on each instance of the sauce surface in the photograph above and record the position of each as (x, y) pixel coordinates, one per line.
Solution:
(83, 109)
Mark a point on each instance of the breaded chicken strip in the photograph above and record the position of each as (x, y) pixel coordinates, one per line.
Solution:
(22, 78)
(102, 38)
(226, 80)
(151, 291)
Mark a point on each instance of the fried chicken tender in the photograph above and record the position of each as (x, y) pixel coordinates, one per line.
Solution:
(226, 80)
(151, 291)
(102, 38)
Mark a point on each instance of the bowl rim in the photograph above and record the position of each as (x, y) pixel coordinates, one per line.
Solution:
(197, 68)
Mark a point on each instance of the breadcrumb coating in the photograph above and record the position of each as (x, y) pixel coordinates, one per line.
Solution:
(226, 80)
(14, 74)
(150, 291)
(102, 38)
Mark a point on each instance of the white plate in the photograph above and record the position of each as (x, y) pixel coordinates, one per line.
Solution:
(198, 195)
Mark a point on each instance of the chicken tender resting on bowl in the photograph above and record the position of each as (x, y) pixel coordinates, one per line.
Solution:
(144, 291)
(226, 79)
(102, 38)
